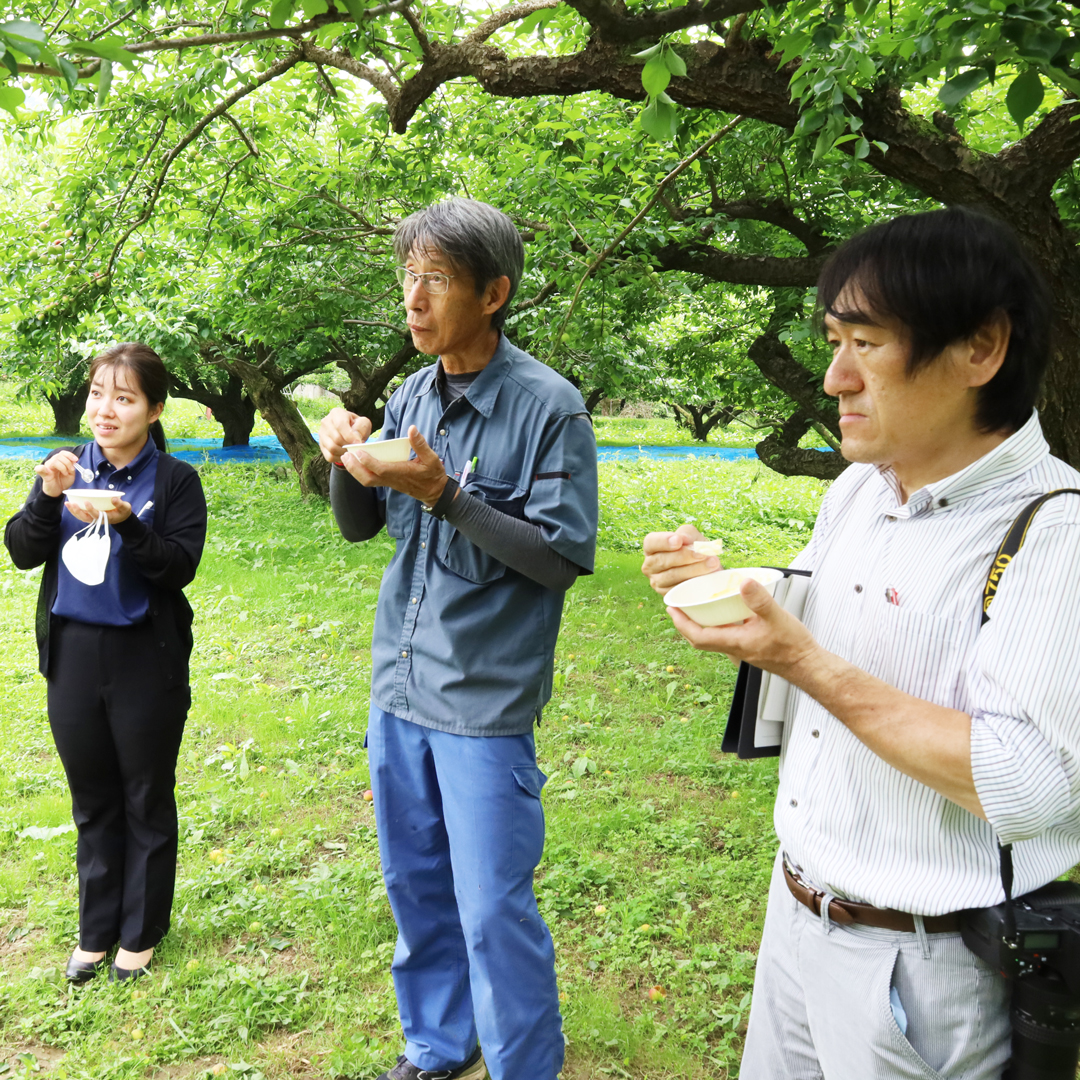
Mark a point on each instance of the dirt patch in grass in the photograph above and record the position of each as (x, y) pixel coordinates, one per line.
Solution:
(37, 1055)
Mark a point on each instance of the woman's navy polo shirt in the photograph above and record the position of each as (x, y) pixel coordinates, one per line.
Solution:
(123, 598)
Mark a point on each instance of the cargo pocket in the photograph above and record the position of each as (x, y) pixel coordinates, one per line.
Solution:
(528, 820)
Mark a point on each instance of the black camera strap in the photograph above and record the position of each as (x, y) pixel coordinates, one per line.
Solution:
(1013, 542)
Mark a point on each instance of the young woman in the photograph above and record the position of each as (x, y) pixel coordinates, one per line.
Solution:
(115, 654)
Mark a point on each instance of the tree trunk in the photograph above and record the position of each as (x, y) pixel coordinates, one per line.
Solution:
(596, 395)
(782, 453)
(232, 407)
(701, 419)
(368, 385)
(67, 407)
(264, 387)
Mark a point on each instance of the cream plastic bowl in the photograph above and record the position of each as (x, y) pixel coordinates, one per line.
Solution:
(384, 450)
(98, 499)
(714, 600)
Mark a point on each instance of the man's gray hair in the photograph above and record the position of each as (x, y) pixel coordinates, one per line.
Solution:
(473, 236)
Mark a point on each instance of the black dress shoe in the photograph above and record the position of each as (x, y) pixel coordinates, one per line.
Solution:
(119, 974)
(80, 971)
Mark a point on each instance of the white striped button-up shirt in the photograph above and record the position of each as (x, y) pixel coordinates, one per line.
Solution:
(897, 591)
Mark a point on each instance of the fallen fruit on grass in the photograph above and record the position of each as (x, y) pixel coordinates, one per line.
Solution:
(656, 993)
(275, 834)
(219, 1069)
(217, 856)
(254, 927)
(369, 795)
(644, 927)
(192, 965)
(670, 669)
(136, 1034)
(264, 794)
(599, 910)
(261, 768)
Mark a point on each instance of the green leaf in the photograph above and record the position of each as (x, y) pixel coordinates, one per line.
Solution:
(861, 150)
(9, 61)
(1025, 96)
(356, 9)
(104, 82)
(824, 143)
(955, 90)
(646, 54)
(11, 97)
(24, 36)
(109, 48)
(69, 71)
(280, 11)
(675, 63)
(655, 76)
(1043, 44)
(658, 119)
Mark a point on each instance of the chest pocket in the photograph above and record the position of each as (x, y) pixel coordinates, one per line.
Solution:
(461, 555)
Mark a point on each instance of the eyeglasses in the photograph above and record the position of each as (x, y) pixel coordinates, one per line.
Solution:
(435, 284)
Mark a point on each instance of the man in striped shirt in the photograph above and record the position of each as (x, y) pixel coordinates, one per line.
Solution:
(917, 740)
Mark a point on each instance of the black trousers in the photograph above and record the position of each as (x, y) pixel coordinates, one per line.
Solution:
(117, 725)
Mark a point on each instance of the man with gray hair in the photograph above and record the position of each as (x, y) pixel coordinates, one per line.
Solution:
(495, 517)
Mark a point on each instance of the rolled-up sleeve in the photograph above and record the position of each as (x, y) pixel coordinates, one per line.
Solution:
(563, 498)
(1025, 695)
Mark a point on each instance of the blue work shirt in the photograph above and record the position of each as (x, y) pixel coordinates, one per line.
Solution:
(462, 643)
(123, 598)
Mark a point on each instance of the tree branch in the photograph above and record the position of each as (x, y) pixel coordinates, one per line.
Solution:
(656, 196)
(508, 15)
(155, 189)
(776, 212)
(768, 270)
(612, 25)
(1044, 153)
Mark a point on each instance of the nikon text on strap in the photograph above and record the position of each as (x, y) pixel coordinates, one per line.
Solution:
(1013, 542)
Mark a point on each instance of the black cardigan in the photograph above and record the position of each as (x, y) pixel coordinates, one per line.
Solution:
(167, 555)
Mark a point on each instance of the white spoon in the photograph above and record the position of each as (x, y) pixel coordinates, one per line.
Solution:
(86, 474)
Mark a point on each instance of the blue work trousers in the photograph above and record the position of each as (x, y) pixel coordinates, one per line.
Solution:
(461, 831)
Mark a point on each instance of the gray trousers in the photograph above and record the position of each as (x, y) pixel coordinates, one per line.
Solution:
(821, 1007)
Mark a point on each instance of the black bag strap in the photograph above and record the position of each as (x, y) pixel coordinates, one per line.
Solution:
(1013, 542)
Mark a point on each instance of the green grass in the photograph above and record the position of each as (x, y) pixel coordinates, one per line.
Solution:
(658, 847)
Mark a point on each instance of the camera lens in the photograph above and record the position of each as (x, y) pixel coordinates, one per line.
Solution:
(1046, 1028)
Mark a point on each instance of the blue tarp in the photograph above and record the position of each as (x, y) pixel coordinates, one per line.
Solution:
(266, 448)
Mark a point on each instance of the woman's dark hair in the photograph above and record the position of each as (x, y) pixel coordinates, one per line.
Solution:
(149, 372)
(942, 276)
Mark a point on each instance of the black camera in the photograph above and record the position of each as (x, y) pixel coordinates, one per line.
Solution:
(1034, 941)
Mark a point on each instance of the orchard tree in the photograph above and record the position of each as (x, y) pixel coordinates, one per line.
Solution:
(741, 141)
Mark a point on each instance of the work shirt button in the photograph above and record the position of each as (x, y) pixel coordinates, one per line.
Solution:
(943, 502)
(890, 518)
(794, 802)
(111, 486)
(423, 544)
(858, 588)
(413, 600)
(403, 653)
(442, 431)
(815, 733)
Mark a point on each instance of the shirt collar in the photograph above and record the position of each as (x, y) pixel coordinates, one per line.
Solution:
(484, 391)
(102, 466)
(1017, 454)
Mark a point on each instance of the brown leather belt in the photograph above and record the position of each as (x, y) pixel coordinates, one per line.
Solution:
(847, 911)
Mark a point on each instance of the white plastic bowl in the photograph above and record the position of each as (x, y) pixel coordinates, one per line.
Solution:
(714, 600)
(98, 499)
(384, 449)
